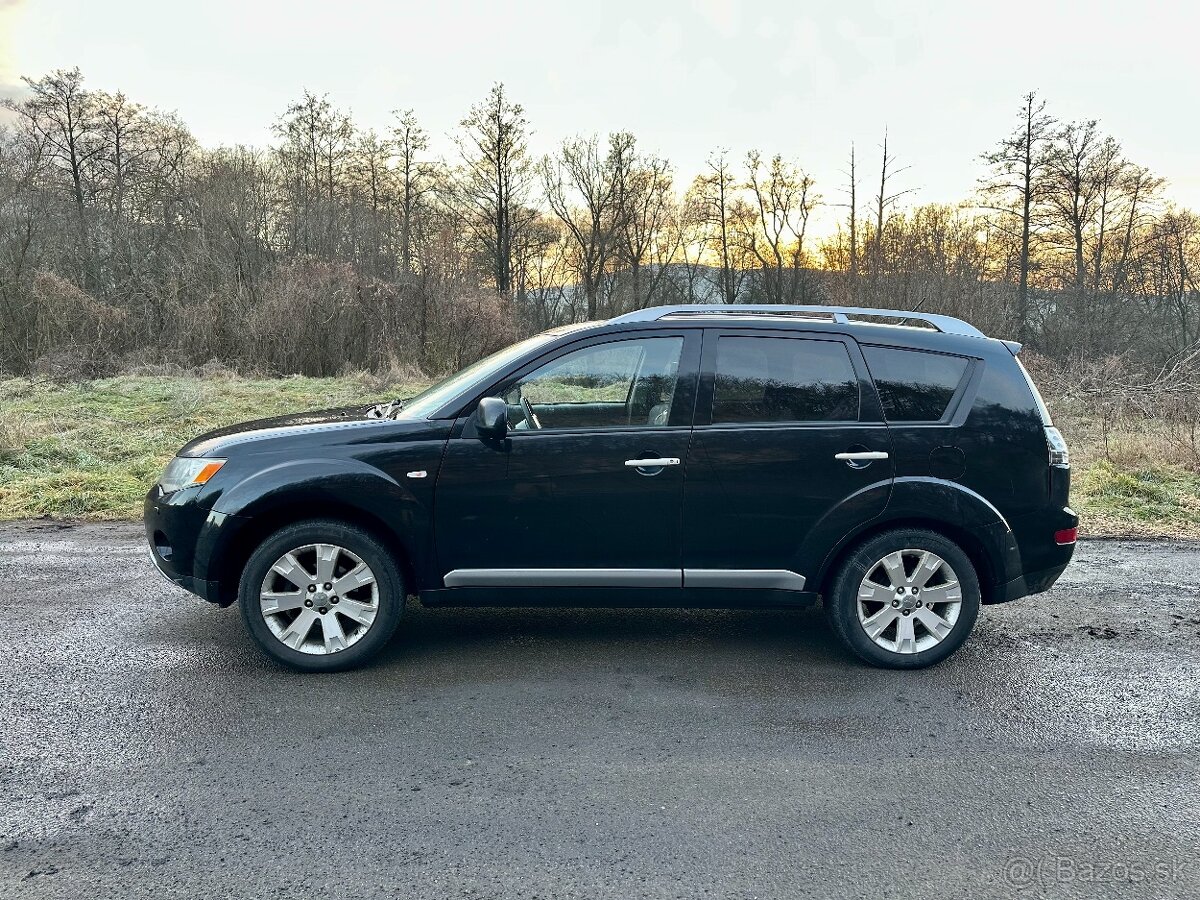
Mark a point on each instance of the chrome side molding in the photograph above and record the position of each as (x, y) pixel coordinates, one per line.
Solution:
(761, 579)
(665, 578)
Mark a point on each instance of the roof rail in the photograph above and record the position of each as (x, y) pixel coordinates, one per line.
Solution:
(838, 314)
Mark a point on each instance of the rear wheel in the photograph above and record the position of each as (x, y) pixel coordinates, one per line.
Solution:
(904, 599)
(321, 596)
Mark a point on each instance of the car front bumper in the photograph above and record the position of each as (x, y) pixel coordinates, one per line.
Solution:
(207, 590)
(174, 526)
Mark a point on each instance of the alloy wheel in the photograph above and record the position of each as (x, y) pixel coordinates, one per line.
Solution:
(909, 601)
(319, 598)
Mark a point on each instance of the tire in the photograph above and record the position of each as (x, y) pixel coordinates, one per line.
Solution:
(920, 641)
(310, 628)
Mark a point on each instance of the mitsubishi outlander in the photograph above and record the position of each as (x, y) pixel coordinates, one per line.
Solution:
(898, 466)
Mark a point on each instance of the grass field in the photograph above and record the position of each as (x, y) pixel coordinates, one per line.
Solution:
(91, 450)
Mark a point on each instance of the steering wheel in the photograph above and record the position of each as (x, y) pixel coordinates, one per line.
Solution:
(530, 415)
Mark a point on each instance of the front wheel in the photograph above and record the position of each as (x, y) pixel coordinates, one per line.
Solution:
(904, 599)
(321, 596)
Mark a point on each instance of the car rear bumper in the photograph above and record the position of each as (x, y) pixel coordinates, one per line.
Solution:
(1029, 583)
(1036, 558)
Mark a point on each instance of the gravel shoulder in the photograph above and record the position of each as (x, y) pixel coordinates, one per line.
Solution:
(149, 750)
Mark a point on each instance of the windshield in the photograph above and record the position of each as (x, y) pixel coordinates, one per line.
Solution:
(438, 395)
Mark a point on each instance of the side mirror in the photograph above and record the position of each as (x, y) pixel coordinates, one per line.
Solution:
(491, 419)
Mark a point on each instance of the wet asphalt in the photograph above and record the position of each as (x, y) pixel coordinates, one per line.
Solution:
(148, 750)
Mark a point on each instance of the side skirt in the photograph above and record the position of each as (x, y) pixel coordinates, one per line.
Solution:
(623, 597)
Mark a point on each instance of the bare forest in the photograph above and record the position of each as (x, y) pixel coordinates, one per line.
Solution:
(125, 245)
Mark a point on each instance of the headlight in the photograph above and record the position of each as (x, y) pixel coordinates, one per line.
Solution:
(184, 471)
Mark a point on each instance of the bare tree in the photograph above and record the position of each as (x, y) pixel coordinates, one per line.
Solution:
(852, 216)
(717, 203)
(368, 205)
(1141, 190)
(783, 198)
(61, 112)
(494, 178)
(647, 236)
(1073, 192)
(1014, 185)
(544, 269)
(588, 189)
(885, 200)
(415, 172)
(316, 152)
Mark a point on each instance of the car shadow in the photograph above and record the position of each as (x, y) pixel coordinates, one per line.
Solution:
(599, 634)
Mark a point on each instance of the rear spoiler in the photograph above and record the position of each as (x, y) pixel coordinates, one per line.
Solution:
(1013, 347)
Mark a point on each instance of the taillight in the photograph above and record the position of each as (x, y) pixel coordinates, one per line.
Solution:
(1059, 454)
(1066, 536)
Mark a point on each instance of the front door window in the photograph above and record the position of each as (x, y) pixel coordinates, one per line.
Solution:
(620, 384)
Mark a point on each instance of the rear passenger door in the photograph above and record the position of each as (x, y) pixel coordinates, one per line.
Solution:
(788, 454)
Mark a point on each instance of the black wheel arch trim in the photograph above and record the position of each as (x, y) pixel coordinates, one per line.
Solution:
(949, 508)
(342, 489)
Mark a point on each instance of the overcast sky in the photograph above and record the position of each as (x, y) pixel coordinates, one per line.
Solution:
(804, 79)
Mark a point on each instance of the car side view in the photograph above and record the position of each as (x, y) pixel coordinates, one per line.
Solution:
(899, 466)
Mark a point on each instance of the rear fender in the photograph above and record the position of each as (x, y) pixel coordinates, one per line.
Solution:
(960, 513)
(863, 506)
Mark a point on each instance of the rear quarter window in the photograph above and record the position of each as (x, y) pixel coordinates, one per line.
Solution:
(914, 385)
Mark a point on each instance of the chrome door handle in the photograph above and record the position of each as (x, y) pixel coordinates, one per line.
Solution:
(862, 456)
(652, 462)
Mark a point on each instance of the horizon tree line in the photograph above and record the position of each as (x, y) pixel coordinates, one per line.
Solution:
(123, 242)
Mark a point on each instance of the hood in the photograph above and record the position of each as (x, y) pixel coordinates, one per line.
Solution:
(347, 424)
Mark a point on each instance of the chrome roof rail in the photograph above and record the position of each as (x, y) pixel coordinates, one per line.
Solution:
(839, 314)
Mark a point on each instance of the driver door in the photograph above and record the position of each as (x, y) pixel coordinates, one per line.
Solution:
(561, 502)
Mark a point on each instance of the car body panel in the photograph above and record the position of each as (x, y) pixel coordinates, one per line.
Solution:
(561, 496)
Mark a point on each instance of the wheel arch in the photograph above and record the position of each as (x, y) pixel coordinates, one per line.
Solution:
(226, 565)
(981, 558)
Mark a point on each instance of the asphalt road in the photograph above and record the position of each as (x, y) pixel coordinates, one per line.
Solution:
(149, 750)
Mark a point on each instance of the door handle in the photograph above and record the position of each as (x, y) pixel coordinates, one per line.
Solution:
(652, 462)
(862, 456)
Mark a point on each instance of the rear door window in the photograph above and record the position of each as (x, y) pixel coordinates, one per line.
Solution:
(770, 379)
(913, 385)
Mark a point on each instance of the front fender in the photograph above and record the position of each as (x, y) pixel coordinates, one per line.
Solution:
(311, 488)
(946, 506)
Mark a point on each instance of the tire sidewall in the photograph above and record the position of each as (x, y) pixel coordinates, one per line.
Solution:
(842, 607)
(387, 576)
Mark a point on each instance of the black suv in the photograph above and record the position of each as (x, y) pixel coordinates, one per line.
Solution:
(900, 465)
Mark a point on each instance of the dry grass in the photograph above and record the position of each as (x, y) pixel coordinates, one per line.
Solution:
(91, 450)
(1137, 479)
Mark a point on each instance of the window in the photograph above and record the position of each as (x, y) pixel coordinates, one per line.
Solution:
(762, 379)
(914, 386)
(610, 385)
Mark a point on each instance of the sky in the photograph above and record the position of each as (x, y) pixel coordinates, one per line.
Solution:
(798, 78)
